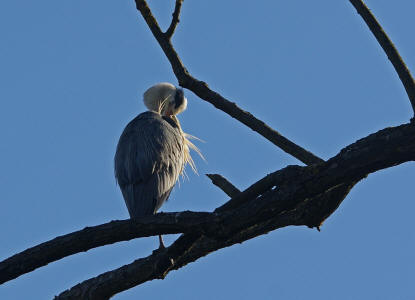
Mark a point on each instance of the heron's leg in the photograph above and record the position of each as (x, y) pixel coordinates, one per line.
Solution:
(161, 246)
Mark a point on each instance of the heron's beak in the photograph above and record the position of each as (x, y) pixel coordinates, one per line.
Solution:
(168, 112)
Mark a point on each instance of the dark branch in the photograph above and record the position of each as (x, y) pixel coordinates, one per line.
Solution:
(110, 283)
(305, 199)
(202, 90)
(265, 184)
(292, 196)
(175, 19)
(96, 236)
(222, 183)
(260, 203)
(390, 50)
(116, 231)
(311, 212)
(186, 249)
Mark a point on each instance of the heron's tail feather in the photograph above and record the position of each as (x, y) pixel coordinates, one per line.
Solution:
(137, 198)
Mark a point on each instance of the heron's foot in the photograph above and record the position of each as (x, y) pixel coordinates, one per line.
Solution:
(161, 247)
(158, 251)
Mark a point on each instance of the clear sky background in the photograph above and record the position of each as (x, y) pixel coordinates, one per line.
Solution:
(72, 74)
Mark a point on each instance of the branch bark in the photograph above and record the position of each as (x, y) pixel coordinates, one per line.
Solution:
(222, 183)
(389, 48)
(187, 249)
(96, 236)
(175, 19)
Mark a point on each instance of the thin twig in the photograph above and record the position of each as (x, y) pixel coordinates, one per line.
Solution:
(202, 90)
(175, 19)
(389, 48)
(222, 183)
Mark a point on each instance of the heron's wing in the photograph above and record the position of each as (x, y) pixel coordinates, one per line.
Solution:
(148, 162)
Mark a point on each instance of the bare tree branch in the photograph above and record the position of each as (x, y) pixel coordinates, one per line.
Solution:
(175, 19)
(306, 199)
(222, 183)
(96, 236)
(116, 231)
(292, 196)
(326, 203)
(389, 48)
(202, 90)
(296, 186)
(261, 186)
(110, 283)
(186, 249)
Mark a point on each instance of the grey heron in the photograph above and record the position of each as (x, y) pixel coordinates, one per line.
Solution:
(153, 151)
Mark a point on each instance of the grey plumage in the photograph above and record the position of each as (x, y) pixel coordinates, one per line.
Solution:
(150, 156)
(153, 151)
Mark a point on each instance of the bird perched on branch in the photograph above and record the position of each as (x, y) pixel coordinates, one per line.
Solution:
(153, 151)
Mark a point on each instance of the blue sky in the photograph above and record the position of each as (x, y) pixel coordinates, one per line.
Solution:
(72, 75)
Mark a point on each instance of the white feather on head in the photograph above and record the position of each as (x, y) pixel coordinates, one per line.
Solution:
(161, 99)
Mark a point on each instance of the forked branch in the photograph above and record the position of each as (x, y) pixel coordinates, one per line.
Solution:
(175, 19)
(304, 196)
(202, 90)
(292, 196)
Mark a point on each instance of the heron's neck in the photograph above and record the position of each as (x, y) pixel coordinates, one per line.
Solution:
(176, 120)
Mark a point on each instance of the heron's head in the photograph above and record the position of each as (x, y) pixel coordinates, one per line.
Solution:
(165, 99)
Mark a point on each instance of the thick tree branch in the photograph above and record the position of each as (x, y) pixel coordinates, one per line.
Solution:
(261, 186)
(389, 48)
(305, 199)
(296, 185)
(222, 183)
(96, 236)
(116, 231)
(175, 19)
(202, 90)
(186, 249)
(311, 212)
(292, 196)
(113, 282)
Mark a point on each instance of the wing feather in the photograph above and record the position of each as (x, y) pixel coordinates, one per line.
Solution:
(148, 162)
